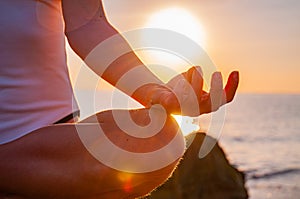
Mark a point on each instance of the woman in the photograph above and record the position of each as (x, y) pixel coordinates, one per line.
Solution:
(40, 159)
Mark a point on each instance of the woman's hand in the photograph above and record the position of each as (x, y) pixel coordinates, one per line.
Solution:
(184, 93)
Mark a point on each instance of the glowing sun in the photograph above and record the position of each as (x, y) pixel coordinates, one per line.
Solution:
(180, 21)
(183, 22)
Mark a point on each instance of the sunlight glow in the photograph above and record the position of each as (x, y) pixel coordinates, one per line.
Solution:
(181, 21)
(126, 180)
(178, 20)
(187, 124)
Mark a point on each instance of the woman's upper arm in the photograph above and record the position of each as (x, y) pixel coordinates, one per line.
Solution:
(85, 25)
(78, 13)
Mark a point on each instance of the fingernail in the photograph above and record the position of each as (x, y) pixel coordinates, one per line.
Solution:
(217, 77)
(199, 70)
(236, 75)
(194, 76)
(216, 74)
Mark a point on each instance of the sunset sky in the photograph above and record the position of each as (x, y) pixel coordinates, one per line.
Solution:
(260, 38)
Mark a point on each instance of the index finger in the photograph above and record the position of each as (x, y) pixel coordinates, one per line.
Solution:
(231, 86)
(197, 82)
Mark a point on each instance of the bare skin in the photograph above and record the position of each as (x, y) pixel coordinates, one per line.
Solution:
(84, 38)
(52, 162)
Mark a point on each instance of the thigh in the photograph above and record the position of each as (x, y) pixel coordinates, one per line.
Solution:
(62, 160)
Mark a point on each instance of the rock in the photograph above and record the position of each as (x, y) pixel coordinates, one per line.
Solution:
(210, 177)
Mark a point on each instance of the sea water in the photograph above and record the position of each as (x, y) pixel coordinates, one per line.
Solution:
(261, 137)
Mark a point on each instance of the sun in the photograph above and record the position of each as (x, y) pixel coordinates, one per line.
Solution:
(180, 21)
(166, 64)
(183, 22)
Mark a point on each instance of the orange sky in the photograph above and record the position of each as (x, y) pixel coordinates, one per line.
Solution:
(260, 38)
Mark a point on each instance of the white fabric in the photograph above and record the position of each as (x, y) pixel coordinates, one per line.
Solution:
(35, 88)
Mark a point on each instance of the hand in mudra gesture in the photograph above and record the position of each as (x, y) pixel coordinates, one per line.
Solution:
(184, 93)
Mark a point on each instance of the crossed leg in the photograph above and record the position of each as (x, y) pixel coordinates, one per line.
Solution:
(54, 162)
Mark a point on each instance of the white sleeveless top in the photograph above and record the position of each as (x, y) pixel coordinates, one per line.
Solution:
(35, 88)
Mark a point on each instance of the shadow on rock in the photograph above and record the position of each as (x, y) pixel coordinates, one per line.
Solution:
(210, 177)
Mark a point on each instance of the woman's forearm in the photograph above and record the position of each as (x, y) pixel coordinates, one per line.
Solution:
(107, 53)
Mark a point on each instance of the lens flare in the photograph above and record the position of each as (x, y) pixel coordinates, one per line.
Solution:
(187, 124)
(126, 179)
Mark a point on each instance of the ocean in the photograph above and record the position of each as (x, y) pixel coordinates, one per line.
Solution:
(261, 137)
